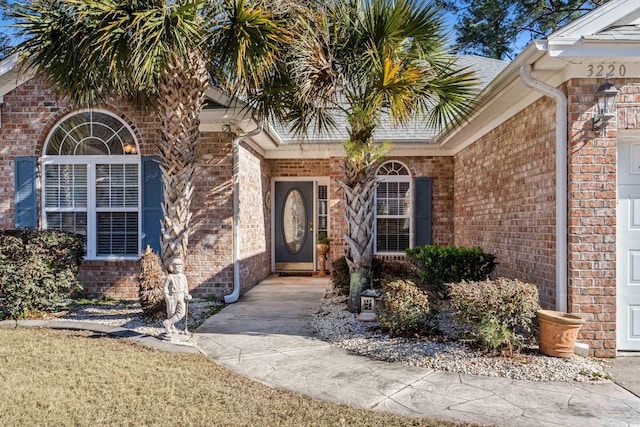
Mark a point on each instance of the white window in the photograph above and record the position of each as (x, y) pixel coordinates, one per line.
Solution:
(92, 183)
(393, 208)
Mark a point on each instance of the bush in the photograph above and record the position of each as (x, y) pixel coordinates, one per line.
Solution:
(404, 309)
(38, 269)
(151, 286)
(389, 270)
(498, 313)
(439, 265)
(340, 276)
(382, 271)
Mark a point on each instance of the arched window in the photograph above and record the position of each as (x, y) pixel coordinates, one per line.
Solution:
(393, 208)
(91, 183)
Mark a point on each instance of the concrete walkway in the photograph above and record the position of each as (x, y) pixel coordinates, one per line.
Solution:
(268, 336)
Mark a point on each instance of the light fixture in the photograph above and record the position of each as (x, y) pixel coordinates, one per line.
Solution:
(606, 102)
(368, 300)
(130, 148)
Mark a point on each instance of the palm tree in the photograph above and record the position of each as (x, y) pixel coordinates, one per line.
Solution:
(160, 54)
(365, 59)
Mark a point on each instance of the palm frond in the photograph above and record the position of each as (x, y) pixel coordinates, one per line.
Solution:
(92, 50)
(247, 39)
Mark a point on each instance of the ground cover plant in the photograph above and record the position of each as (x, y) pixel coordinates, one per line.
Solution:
(62, 378)
(38, 270)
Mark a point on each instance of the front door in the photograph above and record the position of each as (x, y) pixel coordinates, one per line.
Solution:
(293, 217)
(628, 245)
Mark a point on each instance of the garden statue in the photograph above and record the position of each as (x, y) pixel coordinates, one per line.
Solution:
(176, 295)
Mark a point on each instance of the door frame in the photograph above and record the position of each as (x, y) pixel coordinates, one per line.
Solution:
(317, 180)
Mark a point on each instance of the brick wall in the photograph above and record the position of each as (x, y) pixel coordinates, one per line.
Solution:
(255, 218)
(439, 168)
(505, 197)
(32, 110)
(210, 262)
(592, 209)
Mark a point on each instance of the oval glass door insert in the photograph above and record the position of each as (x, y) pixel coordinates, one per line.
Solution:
(294, 221)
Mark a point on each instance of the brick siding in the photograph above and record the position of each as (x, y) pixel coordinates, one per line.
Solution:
(438, 168)
(255, 218)
(30, 112)
(505, 197)
(592, 209)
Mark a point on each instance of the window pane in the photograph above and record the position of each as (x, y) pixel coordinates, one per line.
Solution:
(117, 233)
(65, 186)
(73, 222)
(116, 185)
(381, 191)
(392, 234)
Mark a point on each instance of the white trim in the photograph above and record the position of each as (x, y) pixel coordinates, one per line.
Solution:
(91, 162)
(393, 178)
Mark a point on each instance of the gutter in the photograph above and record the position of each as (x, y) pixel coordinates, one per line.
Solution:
(561, 180)
(233, 296)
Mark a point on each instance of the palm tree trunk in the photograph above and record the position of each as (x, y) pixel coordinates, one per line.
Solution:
(181, 97)
(359, 188)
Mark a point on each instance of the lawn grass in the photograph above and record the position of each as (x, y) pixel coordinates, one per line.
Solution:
(75, 378)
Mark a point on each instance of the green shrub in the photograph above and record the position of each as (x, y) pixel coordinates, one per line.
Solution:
(38, 269)
(498, 313)
(439, 265)
(404, 309)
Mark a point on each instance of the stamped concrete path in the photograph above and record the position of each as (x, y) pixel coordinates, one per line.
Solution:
(268, 336)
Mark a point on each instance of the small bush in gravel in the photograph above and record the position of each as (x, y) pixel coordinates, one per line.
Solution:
(439, 265)
(498, 313)
(38, 270)
(404, 309)
(150, 285)
(340, 276)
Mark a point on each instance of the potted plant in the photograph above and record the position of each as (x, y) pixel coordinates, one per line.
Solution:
(322, 246)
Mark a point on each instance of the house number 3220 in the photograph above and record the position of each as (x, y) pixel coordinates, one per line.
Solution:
(606, 70)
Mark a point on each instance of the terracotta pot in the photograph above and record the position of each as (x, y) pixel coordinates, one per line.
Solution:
(322, 249)
(558, 332)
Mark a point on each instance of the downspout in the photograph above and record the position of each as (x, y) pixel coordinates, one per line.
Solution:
(235, 145)
(561, 180)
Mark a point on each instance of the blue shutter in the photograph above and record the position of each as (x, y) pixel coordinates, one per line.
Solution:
(26, 195)
(422, 211)
(151, 203)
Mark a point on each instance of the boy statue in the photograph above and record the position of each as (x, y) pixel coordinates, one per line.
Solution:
(176, 294)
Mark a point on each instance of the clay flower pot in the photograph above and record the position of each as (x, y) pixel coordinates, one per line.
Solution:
(558, 332)
(322, 249)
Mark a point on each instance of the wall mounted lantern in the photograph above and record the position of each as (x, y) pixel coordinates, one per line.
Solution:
(606, 102)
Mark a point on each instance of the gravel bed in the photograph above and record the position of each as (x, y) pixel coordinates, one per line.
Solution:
(340, 327)
(129, 315)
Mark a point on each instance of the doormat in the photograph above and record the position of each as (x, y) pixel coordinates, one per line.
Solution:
(295, 274)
